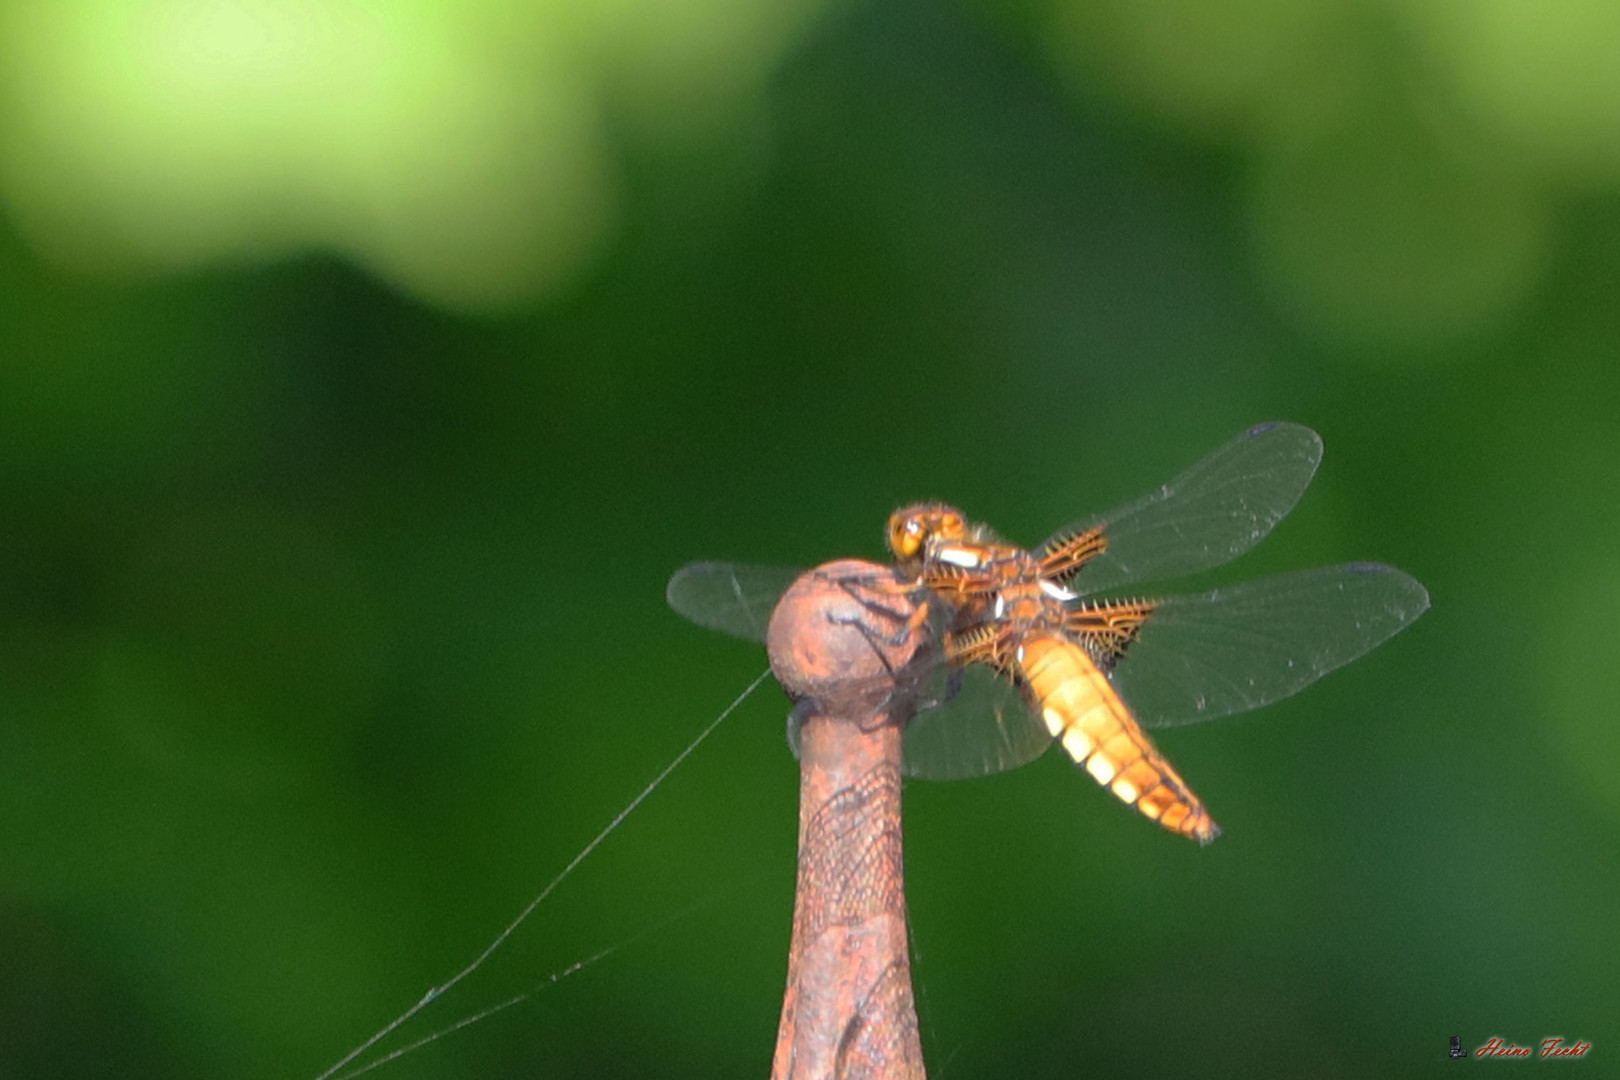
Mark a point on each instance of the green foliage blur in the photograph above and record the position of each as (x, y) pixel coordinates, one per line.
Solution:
(350, 428)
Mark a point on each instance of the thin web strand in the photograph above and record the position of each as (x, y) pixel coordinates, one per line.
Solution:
(500, 939)
(468, 1021)
(549, 981)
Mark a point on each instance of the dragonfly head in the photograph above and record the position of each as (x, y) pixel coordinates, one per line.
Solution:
(912, 527)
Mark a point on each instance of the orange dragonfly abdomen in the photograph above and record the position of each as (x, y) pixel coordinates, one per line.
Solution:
(1083, 712)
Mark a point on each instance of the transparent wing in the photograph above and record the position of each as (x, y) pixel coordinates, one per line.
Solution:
(978, 726)
(1213, 512)
(1242, 647)
(734, 598)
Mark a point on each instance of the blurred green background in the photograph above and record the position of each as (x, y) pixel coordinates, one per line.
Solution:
(364, 375)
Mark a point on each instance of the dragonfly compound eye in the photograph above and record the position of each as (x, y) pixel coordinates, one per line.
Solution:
(906, 534)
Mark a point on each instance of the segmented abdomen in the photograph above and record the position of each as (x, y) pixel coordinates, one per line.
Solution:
(1081, 709)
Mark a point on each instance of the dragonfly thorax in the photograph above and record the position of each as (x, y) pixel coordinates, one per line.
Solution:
(1024, 602)
(995, 581)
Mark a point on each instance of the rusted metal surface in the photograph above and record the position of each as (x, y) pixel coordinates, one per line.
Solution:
(846, 643)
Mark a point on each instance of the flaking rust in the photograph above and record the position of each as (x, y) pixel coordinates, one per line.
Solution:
(846, 643)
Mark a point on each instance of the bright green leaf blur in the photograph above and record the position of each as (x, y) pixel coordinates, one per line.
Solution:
(1404, 154)
(458, 150)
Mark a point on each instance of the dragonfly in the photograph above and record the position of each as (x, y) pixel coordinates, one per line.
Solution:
(1055, 645)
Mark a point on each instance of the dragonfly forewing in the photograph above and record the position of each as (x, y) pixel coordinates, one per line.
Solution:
(1209, 515)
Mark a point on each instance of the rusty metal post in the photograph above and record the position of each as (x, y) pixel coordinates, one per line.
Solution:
(845, 642)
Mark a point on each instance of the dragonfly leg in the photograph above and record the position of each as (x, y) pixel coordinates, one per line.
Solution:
(902, 687)
(896, 606)
(855, 635)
